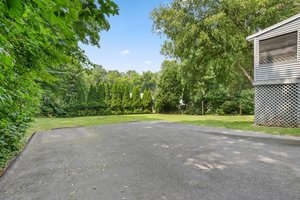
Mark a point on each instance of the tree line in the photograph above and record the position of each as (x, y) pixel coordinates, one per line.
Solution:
(102, 99)
(174, 95)
(96, 91)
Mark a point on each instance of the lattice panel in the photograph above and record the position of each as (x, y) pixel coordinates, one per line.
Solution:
(277, 105)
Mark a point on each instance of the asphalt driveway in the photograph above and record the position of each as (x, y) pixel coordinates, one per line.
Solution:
(154, 161)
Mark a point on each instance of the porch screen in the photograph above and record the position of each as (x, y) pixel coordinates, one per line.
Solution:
(278, 49)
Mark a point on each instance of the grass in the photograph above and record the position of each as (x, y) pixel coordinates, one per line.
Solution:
(43, 124)
(231, 122)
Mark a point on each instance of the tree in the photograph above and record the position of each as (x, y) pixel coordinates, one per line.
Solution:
(136, 99)
(113, 76)
(126, 101)
(101, 95)
(39, 37)
(92, 95)
(147, 101)
(209, 36)
(98, 74)
(148, 81)
(169, 88)
(115, 104)
(107, 94)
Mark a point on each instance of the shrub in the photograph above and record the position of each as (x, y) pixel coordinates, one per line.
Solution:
(247, 101)
(18, 102)
(147, 111)
(214, 100)
(228, 107)
(138, 111)
(128, 112)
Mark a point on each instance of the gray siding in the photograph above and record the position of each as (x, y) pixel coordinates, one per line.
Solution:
(278, 71)
(287, 28)
(274, 72)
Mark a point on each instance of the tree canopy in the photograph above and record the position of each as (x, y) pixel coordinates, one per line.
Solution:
(209, 36)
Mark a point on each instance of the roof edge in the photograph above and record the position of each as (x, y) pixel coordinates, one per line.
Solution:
(251, 37)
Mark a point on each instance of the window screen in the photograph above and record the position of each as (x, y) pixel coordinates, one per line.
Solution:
(278, 49)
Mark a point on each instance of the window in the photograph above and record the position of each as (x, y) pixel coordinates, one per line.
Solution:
(278, 49)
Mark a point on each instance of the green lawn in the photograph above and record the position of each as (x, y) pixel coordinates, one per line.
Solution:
(232, 122)
(42, 124)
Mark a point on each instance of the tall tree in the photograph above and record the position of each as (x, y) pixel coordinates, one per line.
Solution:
(169, 88)
(92, 96)
(136, 98)
(101, 95)
(126, 101)
(107, 94)
(115, 103)
(147, 101)
(149, 80)
(98, 74)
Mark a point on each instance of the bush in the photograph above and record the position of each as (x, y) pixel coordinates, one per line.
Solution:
(18, 102)
(247, 101)
(116, 112)
(228, 107)
(50, 107)
(214, 100)
(147, 111)
(138, 111)
(128, 112)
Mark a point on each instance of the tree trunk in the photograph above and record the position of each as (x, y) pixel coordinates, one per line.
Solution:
(245, 73)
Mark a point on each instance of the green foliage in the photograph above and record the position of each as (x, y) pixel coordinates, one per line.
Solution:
(39, 38)
(101, 95)
(73, 93)
(228, 107)
(19, 97)
(148, 81)
(107, 94)
(115, 103)
(126, 101)
(92, 96)
(147, 101)
(209, 36)
(247, 101)
(136, 100)
(214, 99)
(169, 88)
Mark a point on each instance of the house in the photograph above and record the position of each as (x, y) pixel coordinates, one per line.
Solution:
(277, 74)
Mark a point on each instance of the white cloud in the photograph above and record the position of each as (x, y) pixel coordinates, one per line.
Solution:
(148, 62)
(125, 52)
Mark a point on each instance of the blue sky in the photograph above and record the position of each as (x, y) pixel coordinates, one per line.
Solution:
(130, 43)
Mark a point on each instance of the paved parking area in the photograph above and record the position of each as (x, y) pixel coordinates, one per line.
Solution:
(154, 161)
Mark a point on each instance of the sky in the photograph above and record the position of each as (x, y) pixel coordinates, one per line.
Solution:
(130, 43)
